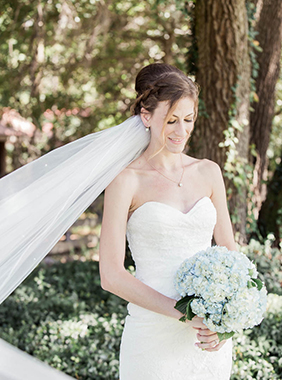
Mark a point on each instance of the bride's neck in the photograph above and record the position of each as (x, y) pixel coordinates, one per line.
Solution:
(163, 160)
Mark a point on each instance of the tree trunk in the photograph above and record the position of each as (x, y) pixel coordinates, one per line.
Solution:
(269, 27)
(223, 72)
(270, 213)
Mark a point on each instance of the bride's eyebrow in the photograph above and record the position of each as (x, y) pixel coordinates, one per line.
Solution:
(190, 114)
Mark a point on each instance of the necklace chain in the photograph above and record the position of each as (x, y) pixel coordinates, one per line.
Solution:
(179, 183)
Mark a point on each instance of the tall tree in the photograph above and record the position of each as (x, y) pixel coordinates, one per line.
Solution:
(223, 72)
(269, 12)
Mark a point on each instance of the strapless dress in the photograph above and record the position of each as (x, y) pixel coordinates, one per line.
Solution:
(154, 346)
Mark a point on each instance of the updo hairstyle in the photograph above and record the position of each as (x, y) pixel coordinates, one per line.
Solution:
(162, 82)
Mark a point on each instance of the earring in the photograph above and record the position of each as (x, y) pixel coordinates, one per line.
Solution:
(147, 129)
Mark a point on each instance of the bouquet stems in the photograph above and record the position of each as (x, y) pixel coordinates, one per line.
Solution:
(184, 306)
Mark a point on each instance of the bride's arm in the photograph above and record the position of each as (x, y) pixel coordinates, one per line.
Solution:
(114, 277)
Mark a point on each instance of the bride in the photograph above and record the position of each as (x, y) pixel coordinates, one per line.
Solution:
(169, 205)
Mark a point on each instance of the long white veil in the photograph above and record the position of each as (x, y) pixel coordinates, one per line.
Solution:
(38, 204)
(41, 200)
(18, 365)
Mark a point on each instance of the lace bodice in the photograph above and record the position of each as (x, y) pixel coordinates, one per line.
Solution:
(160, 237)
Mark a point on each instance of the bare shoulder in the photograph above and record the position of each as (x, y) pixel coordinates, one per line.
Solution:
(208, 173)
(117, 202)
(124, 183)
(213, 172)
(209, 167)
(204, 165)
(129, 176)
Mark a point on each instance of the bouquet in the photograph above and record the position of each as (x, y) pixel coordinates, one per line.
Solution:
(222, 287)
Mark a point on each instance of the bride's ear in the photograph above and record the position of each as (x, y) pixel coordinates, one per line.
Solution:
(145, 117)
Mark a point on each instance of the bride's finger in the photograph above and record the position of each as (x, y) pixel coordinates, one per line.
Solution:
(206, 332)
(217, 347)
(208, 345)
(207, 338)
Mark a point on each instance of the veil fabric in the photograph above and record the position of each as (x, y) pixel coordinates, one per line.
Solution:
(18, 365)
(41, 200)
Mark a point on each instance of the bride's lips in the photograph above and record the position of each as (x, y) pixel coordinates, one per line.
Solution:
(177, 141)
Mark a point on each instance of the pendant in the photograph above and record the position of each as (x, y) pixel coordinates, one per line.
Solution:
(180, 184)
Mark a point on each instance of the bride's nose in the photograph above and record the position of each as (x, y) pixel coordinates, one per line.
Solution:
(181, 129)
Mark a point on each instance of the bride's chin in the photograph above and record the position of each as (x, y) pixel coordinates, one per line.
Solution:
(176, 148)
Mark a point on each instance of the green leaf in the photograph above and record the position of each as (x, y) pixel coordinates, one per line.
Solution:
(258, 282)
(224, 336)
(184, 306)
(181, 305)
(189, 312)
(183, 319)
(251, 284)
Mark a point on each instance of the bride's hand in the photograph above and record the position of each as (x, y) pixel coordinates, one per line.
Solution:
(208, 340)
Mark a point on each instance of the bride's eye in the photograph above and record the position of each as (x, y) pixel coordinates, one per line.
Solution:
(189, 121)
(171, 122)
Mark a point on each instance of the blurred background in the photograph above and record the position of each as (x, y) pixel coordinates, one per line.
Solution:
(67, 69)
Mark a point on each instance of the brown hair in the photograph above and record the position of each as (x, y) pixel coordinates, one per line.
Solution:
(162, 82)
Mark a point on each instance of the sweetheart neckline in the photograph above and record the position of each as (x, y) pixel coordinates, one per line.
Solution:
(174, 208)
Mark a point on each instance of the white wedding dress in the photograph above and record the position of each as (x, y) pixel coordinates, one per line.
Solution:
(156, 347)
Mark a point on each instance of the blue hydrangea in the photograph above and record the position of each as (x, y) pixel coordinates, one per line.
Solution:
(225, 294)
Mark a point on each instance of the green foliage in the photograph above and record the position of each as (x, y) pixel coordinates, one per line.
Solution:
(274, 151)
(254, 48)
(236, 167)
(258, 351)
(61, 315)
(79, 59)
(268, 261)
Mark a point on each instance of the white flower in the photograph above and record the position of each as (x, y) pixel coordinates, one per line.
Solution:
(219, 279)
(198, 307)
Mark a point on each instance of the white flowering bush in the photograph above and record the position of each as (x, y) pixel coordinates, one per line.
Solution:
(222, 287)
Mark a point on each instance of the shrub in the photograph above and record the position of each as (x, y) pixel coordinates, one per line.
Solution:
(268, 261)
(258, 352)
(62, 316)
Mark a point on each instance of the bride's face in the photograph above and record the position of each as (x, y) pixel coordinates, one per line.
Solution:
(177, 129)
